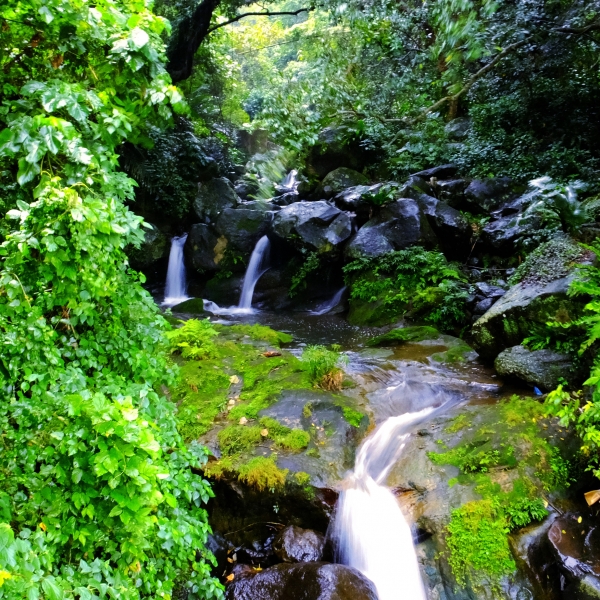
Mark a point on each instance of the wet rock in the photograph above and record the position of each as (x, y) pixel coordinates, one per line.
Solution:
(294, 544)
(402, 335)
(221, 548)
(355, 199)
(482, 306)
(214, 196)
(243, 227)
(224, 291)
(542, 368)
(286, 199)
(304, 581)
(485, 195)
(204, 248)
(450, 227)
(340, 179)
(154, 247)
(314, 225)
(193, 306)
(458, 128)
(441, 172)
(503, 234)
(398, 225)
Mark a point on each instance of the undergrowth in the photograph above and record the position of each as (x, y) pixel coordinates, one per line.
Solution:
(323, 366)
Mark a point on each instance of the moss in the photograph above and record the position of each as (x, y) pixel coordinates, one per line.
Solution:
(237, 439)
(295, 441)
(459, 423)
(262, 473)
(256, 332)
(352, 416)
(373, 313)
(405, 334)
(313, 452)
(456, 354)
(302, 478)
(479, 550)
(193, 306)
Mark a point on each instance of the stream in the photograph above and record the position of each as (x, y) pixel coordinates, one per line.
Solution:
(401, 389)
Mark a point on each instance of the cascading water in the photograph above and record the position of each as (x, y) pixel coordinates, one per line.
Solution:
(256, 267)
(370, 531)
(175, 288)
(330, 304)
(290, 182)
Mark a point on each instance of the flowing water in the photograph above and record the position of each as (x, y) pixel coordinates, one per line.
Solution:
(328, 306)
(176, 286)
(256, 267)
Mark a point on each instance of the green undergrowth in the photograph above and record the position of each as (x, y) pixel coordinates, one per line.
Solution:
(511, 465)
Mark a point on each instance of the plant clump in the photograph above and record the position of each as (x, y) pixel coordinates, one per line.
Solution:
(323, 366)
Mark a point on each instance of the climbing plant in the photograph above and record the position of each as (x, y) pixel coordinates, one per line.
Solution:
(98, 494)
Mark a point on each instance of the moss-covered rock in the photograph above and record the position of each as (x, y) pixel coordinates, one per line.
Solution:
(154, 247)
(401, 335)
(193, 306)
(336, 181)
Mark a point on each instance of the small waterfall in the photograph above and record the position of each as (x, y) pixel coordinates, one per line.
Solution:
(370, 531)
(290, 182)
(330, 304)
(175, 288)
(256, 267)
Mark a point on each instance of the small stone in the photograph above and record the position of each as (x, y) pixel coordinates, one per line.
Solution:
(243, 421)
(231, 402)
(234, 379)
(264, 432)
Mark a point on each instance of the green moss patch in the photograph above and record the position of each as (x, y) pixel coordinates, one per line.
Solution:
(402, 335)
(255, 332)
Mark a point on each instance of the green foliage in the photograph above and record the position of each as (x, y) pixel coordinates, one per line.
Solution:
(194, 339)
(352, 416)
(99, 485)
(310, 265)
(414, 280)
(321, 363)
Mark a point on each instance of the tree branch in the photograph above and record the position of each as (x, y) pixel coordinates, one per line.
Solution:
(475, 78)
(580, 31)
(259, 14)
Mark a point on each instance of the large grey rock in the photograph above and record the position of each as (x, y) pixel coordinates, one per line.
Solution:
(503, 234)
(214, 196)
(355, 199)
(398, 225)
(458, 128)
(485, 195)
(203, 248)
(314, 225)
(304, 581)
(441, 172)
(154, 247)
(294, 544)
(339, 179)
(243, 227)
(453, 192)
(450, 227)
(542, 368)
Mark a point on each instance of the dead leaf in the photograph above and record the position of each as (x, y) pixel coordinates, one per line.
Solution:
(592, 497)
(264, 432)
(271, 353)
(234, 379)
(230, 577)
(231, 402)
(57, 61)
(243, 421)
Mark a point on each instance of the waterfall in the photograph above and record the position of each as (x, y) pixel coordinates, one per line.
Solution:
(330, 304)
(175, 287)
(290, 182)
(256, 267)
(370, 531)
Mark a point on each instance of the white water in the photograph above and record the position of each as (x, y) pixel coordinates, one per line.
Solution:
(256, 267)
(290, 182)
(175, 288)
(370, 530)
(330, 304)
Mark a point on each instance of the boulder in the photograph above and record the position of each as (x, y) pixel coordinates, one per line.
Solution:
(304, 581)
(214, 196)
(243, 227)
(193, 306)
(450, 227)
(458, 128)
(294, 544)
(335, 148)
(203, 248)
(398, 225)
(453, 192)
(539, 296)
(154, 247)
(441, 172)
(355, 199)
(486, 195)
(501, 235)
(316, 226)
(542, 368)
(339, 179)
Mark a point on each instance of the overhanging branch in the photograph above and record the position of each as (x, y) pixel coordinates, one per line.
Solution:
(263, 13)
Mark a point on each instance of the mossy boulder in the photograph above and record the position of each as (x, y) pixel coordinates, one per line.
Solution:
(541, 295)
(243, 227)
(340, 179)
(214, 197)
(193, 306)
(401, 335)
(542, 368)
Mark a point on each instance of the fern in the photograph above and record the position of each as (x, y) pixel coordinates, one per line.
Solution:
(194, 340)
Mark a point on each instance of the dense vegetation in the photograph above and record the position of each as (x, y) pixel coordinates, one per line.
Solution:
(102, 493)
